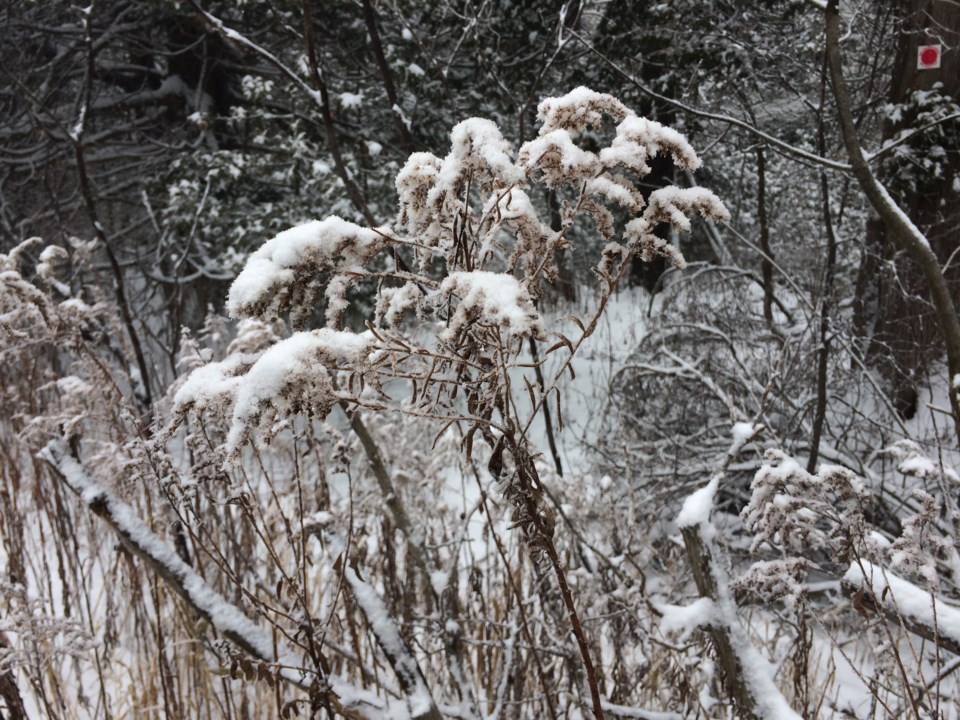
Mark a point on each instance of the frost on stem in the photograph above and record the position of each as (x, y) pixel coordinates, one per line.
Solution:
(413, 183)
(913, 462)
(923, 546)
(810, 516)
(767, 581)
(394, 303)
(42, 639)
(40, 304)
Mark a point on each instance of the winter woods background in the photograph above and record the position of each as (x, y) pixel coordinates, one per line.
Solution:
(479, 360)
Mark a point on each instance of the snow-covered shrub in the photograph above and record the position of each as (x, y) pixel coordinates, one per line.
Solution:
(820, 527)
(700, 366)
(470, 212)
(803, 513)
(458, 278)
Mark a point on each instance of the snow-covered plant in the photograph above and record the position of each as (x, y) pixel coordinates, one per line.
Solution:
(42, 301)
(40, 639)
(23, 304)
(823, 523)
(468, 257)
(801, 513)
(928, 549)
(769, 581)
(472, 213)
(482, 252)
(40, 313)
(915, 552)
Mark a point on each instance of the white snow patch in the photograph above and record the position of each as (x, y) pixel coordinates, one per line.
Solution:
(742, 432)
(494, 299)
(477, 144)
(697, 506)
(684, 619)
(329, 244)
(299, 363)
(350, 100)
(908, 600)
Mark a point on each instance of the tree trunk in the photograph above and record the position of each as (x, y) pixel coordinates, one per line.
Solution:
(907, 236)
(892, 290)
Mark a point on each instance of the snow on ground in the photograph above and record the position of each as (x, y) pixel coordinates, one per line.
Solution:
(583, 399)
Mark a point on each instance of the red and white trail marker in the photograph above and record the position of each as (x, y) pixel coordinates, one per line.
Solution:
(928, 57)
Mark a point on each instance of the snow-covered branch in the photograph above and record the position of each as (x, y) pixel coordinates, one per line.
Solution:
(161, 557)
(903, 603)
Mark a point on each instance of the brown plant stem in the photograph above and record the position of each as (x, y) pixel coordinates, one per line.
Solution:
(529, 480)
(370, 19)
(9, 691)
(65, 464)
(547, 419)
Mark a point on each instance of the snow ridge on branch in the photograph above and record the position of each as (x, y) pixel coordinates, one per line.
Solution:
(227, 618)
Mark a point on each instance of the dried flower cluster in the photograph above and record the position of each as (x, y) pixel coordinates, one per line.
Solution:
(482, 253)
(791, 509)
